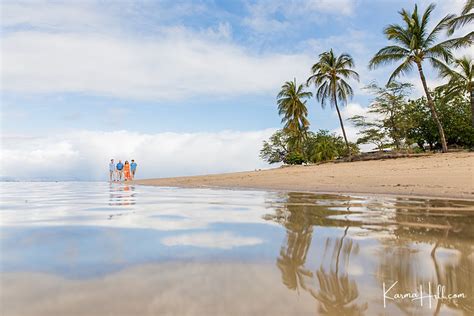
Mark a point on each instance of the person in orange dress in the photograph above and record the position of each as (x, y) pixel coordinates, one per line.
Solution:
(126, 171)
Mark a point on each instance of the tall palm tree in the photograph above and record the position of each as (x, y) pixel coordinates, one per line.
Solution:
(466, 17)
(414, 44)
(329, 76)
(292, 106)
(461, 79)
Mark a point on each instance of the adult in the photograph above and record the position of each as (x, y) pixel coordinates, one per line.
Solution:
(120, 170)
(126, 171)
(112, 170)
(133, 168)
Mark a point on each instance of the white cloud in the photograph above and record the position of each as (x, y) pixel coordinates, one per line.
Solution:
(81, 47)
(85, 154)
(46, 15)
(353, 109)
(347, 112)
(224, 240)
(271, 16)
(178, 64)
(344, 7)
(351, 133)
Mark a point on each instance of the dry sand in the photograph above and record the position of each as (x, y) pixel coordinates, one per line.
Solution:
(440, 175)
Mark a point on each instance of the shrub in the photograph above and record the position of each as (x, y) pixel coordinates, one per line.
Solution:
(294, 158)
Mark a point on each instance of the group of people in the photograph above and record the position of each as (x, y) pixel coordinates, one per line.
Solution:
(122, 171)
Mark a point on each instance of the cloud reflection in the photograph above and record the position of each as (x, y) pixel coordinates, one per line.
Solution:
(225, 240)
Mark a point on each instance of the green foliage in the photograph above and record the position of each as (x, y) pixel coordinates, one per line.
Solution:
(454, 112)
(387, 126)
(294, 158)
(292, 107)
(316, 147)
(460, 80)
(413, 43)
(392, 121)
(322, 146)
(329, 76)
(465, 18)
(374, 136)
(276, 148)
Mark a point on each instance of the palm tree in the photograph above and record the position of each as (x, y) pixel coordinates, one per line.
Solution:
(414, 45)
(329, 76)
(466, 17)
(292, 106)
(461, 79)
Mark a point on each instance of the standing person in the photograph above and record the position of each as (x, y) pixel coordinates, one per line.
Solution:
(126, 171)
(133, 168)
(119, 170)
(112, 170)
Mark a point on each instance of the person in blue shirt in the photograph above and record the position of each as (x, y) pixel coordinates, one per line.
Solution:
(133, 168)
(120, 170)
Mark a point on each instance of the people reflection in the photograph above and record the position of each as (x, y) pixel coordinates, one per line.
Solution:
(122, 195)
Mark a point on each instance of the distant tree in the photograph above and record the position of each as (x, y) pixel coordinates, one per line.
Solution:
(454, 113)
(386, 126)
(324, 146)
(371, 132)
(414, 44)
(292, 107)
(460, 80)
(329, 76)
(316, 147)
(276, 148)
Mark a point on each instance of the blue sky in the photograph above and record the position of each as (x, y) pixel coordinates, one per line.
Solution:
(182, 67)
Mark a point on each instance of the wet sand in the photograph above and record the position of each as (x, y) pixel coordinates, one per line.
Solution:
(440, 175)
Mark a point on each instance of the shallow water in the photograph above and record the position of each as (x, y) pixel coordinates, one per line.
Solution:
(101, 249)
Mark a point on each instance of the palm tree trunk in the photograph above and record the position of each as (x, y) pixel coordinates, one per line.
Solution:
(342, 127)
(433, 109)
(472, 107)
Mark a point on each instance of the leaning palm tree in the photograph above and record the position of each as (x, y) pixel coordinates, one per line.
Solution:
(329, 76)
(414, 44)
(466, 17)
(461, 79)
(292, 107)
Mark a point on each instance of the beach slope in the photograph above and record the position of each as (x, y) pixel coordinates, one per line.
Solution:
(448, 175)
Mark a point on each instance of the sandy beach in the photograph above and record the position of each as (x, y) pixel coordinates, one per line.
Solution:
(440, 175)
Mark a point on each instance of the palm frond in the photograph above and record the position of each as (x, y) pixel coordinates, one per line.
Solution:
(383, 59)
(444, 23)
(404, 68)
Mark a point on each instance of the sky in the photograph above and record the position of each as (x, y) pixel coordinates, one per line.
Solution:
(182, 87)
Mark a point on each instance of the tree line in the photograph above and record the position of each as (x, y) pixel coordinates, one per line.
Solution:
(443, 116)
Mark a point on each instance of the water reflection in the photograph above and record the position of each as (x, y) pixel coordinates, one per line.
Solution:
(420, 242)
(338, 293)
(249, 252)
(121, 194)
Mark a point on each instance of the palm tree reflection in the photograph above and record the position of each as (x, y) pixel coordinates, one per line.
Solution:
(449, 261)
(418, 242)
(337, 292)
(293, 253)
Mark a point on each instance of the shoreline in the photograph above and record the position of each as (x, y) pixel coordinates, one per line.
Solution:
(364, 194)
(441, 176)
